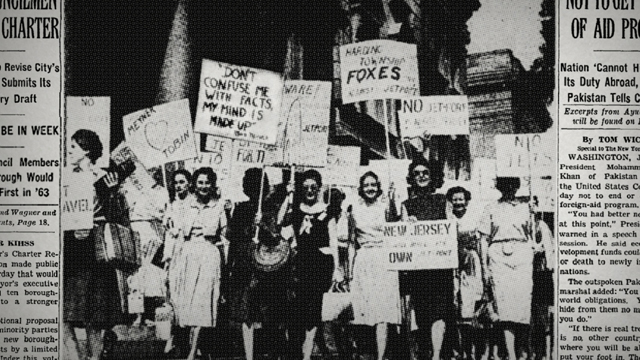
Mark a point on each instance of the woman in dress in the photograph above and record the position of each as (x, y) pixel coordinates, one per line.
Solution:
(146, 210)
(316, 262)
(92, 297)
(507, 258)
(376, 294)
(198, 266)
(256, 296)
(469, 277)
(174, 221)
(431, 291)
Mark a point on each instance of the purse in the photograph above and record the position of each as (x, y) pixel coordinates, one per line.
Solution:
(117, 245)
(164, 317)
(135, 302)
(337, 303)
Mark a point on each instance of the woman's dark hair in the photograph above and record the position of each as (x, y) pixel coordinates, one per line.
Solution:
(458, 189)
(211, 175)
(313, 175)
(89, 141)
(172, 186)
(362, 179)
(508, 186)
(183, 172)
(436, 173)
(251, 182)
(334, 197)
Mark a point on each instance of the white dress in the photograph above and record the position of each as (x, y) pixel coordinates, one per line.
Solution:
(196, 269)
(510, 257)
(375, 290)
(146, 214)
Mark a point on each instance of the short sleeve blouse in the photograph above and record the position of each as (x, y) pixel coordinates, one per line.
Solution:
(505, 221)
(367, 221)
(210, 217)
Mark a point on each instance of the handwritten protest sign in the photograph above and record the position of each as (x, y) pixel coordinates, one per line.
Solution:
(525, 155)
(303, 129)
(77, 201)
(217, 156)
(420, 245)
(341, 163)
(245, 155)
(378, 69)
(253, 154)
(434, 115)
(90, 113)
(140, 179)
(239, 102)
(161, 134)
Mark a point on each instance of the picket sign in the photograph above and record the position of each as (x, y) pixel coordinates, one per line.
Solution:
(161, 134)
(90, 113)
(342, 161)
(239, 102)
(77, 201)
(379, 69)
(217, 155)
(434, 115)
(140, 181)
(520, 154)
(303, 127)
(420, 245)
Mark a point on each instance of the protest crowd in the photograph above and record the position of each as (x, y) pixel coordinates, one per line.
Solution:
(296, 257)
(234, 213)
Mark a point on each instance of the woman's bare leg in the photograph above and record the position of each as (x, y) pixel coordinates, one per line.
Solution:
(307, 347)
(95, 342)
(195, 334)
(247, 338)
(381, 339)
(70, 342)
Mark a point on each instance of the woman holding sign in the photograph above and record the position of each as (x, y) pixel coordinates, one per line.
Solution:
(315, 262)
(431, 291)
(91, 292)
(507, 260)
(376, 294)
(196, 297)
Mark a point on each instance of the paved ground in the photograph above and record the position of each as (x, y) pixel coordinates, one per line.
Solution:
(141, 343)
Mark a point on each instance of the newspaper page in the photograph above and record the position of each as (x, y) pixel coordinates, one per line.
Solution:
(398, 179)
(30, 162)
(598, 213)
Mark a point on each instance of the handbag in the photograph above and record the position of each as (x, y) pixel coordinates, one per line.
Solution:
(117, 245)
(135, 302)
(164, 317)
(337, 303)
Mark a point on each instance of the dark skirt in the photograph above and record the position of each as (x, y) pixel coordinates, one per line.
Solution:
(543, 288)
(91, 293)
(432, 295)
(312, 276)
(256, 296)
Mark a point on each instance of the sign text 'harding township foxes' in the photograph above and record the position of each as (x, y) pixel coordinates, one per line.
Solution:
(378, 69)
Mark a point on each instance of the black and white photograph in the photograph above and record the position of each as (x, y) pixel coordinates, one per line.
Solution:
(298, 180)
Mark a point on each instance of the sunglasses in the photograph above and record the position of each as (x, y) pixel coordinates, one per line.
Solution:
(421, 172)
(311, 187)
